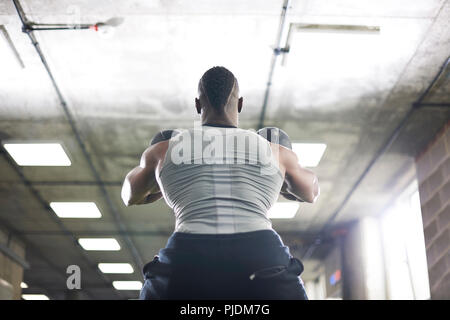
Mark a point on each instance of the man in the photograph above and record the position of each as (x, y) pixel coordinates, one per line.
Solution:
(220, 190)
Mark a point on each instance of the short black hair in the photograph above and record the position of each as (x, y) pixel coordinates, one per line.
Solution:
(217, 84)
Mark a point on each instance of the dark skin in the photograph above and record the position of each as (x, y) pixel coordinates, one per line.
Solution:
(142, 185)
(229, 116)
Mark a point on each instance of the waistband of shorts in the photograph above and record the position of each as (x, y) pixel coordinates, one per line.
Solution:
(266, 236)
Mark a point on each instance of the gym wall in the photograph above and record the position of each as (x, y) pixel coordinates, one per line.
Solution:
(433, 173)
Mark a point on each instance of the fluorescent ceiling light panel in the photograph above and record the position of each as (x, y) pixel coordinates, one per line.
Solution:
(99, 244)
(38, 154)
(35, 297)
(335, 28)
(309, 154)
(127, 285)
(283, 210)
(75, 209)
(115, 268)
(23, 285)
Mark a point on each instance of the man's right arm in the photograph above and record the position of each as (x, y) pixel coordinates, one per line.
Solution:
(299, 182)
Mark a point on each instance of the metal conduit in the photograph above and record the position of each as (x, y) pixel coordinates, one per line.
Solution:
(117, 219)
(276, 52)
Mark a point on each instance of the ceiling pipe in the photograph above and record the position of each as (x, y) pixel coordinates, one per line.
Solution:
(433, 82)
(28, 26)
(434, 105)
(415, 106)
(112, 22)
(276, 52)
(53, 27)
(117, 219)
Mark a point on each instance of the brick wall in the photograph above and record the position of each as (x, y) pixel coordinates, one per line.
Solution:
(433, 173)
(11, 273)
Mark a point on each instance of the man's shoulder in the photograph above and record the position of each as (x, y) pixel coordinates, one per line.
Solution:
(164, 135)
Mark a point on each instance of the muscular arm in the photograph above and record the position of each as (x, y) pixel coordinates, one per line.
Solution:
(300, 183)
(140, 185)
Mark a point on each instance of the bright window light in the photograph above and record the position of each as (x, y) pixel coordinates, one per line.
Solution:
(34, 297)
(38, 154)
(115, 268)
(309, 154)
(283, 210)
(127, 285)
(405, 253)
(99, 244)
(75, 209)
(23, 285)
(372, 259)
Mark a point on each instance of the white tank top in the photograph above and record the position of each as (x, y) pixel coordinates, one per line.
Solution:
(220, 180)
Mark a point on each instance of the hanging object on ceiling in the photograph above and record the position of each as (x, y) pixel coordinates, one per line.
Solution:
(99, 26)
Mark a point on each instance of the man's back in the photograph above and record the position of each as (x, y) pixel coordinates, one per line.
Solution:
(220, 180)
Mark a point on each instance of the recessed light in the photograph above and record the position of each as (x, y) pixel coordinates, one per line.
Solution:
(23, 285)
(34, 297)
(38, 154)
(99, 244)
(75, 209)
(115, 268)
(283, 210)
(127, 285)
(309, 154)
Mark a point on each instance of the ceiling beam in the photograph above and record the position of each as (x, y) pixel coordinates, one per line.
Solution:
(32, 250)
(76, 183)
(14, 256)
(97, 233)
(64, 231)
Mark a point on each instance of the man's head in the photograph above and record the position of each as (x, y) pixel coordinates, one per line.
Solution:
(218, 92)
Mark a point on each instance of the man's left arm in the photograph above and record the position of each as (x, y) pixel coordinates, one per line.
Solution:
(140, 185)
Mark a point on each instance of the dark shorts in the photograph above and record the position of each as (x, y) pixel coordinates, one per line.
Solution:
(252, 265)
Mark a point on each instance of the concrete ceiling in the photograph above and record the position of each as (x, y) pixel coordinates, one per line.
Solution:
(348, 91)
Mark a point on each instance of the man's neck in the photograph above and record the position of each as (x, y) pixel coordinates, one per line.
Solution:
(218, 125)
(220, 122)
